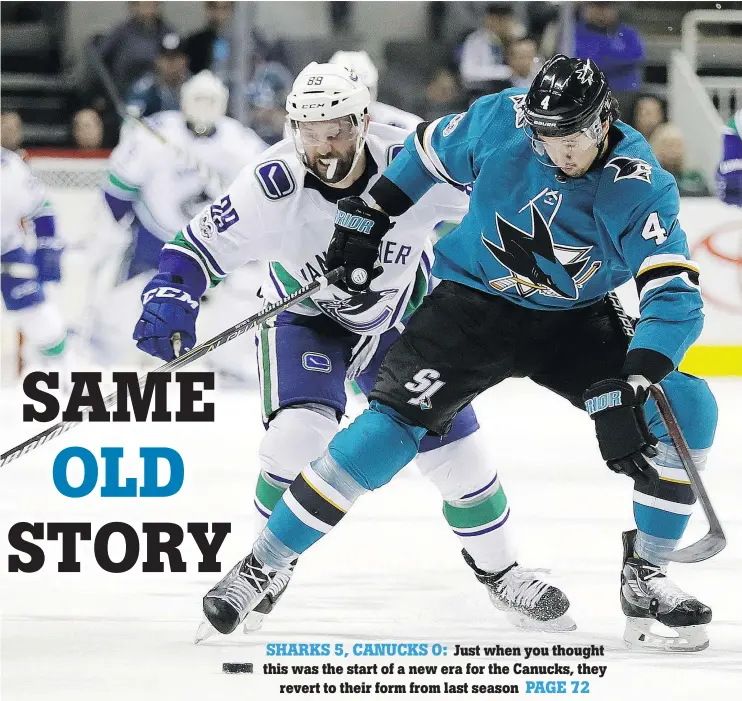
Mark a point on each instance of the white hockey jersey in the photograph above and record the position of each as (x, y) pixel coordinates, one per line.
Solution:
(168, 183)
(276, 212)
(381, 113)
(23, 199)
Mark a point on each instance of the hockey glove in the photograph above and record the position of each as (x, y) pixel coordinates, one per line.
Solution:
(729, 173)
(729, 183)
(623, 436)
(47, 259)
(356, 241)
(169, 308)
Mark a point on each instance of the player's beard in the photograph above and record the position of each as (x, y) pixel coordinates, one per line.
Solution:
(333, 168)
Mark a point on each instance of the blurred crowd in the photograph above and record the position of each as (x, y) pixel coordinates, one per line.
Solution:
(149, 62)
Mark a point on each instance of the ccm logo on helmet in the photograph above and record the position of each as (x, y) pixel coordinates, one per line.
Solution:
(353, 221)
(314, 105)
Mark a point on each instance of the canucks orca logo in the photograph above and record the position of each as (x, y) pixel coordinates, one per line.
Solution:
(536, 262)
(350, 312)
(630, 168)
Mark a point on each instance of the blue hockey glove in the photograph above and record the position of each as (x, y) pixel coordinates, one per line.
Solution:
(729, 173)
(47, 259)
(623, 435)
(356, 241)
(169, 307)
(729, 183)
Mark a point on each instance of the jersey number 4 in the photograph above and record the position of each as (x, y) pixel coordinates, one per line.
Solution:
(653, 229)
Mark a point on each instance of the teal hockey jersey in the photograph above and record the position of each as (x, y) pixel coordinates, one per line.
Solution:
(547, 241)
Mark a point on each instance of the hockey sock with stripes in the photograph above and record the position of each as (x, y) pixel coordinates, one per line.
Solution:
(662, 508)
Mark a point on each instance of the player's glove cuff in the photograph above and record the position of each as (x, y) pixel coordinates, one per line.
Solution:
(647, 363)
(184, 269)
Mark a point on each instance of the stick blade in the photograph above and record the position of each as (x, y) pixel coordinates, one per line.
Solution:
(711, 544)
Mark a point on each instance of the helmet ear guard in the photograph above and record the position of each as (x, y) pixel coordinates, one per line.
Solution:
(610, 111)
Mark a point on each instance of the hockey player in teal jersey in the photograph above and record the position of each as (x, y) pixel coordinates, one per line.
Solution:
(567, 203)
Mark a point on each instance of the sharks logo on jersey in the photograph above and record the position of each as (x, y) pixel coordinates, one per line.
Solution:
(350, 312)
(630, 168)
(518, 101)
(537, 264)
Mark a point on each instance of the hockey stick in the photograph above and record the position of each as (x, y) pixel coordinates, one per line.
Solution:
(714, 541)
(181, 361)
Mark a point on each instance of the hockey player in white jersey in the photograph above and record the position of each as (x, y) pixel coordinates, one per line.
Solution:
(158, 182)
(30, 255)
(380, 112)
(281, 209)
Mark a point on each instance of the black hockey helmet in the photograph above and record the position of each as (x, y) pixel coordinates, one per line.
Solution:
(566, 96)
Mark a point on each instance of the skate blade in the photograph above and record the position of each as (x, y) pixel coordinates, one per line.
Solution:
(638, 636)
(205, 631)
(562, 624)
(253, 622)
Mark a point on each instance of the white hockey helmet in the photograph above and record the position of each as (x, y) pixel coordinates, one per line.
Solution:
(324, 92)
(203, 101)
(361, 63)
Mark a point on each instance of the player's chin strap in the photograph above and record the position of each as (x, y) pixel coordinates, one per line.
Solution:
(268, 312)
(714, 541)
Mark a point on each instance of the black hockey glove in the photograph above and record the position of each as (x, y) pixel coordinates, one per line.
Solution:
(356, 241)
(623, 436)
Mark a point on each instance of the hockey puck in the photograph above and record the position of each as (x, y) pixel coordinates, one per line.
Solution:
(237, 667)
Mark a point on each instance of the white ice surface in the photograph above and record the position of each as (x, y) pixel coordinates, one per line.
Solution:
(390, 572)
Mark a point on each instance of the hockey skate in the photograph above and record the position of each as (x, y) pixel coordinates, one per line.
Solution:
(529, 603)
(254, 619)
(248, 588)
(648, 596)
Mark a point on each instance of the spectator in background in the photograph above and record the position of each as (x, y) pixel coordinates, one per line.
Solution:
(668, 146)
(483, 52)
(443, 95)
(11, 130)
(340, 16)
(614, 46)
(87, 129)
(522, 59)
(729, 175)
(209, 49)
(160, 91)
(266, 96)
(129, 51)
(649, 113)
